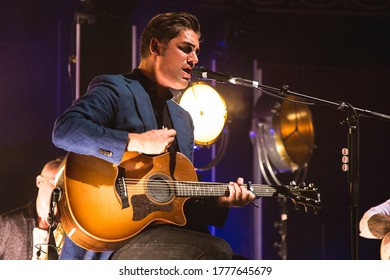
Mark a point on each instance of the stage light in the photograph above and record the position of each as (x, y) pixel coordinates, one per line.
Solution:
(283, 138)
(208, 111)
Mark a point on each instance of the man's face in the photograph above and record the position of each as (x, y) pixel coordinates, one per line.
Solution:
(47, 178)
(176, 59)
(45, 183)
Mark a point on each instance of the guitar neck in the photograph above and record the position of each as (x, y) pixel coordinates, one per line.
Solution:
(201, 189)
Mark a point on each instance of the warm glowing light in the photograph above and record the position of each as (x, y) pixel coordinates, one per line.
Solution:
(208, 111)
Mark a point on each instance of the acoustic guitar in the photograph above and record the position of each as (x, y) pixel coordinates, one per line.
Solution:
(102, 205)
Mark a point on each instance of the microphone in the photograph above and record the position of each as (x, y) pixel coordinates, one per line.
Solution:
(201, 72)
(54, 199)
(56, 195)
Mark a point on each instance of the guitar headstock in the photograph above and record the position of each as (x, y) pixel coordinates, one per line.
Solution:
(302, 195)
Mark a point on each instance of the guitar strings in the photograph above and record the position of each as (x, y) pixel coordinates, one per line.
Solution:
(194, 188)
(189, 186)
(205, 185)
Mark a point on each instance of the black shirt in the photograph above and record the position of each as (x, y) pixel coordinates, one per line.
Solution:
(159, 103)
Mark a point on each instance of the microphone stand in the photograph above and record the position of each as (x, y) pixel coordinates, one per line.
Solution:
(352, 151)
(353, 141)
(52, 248)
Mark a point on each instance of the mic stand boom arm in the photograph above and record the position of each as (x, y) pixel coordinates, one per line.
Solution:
(284, 92)
(352, 152)
(353, 140)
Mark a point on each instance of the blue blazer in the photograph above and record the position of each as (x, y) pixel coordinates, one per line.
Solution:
(98, 122)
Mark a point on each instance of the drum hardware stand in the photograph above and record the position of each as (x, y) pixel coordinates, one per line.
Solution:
(353, 137)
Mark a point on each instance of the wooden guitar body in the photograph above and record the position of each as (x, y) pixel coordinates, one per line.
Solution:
(99, 214)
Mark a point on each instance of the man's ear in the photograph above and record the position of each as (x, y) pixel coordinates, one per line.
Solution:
(155, 46)
(39, 180)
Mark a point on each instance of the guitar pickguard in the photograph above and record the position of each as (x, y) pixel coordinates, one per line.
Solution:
(142, 207)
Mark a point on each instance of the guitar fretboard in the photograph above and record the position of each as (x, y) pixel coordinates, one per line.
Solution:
(199, 189)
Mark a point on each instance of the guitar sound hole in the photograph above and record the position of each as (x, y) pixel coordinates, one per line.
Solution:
(160, 188)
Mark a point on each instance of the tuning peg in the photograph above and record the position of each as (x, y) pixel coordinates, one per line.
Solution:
(303, 185)
(303, 205)
(293, 183)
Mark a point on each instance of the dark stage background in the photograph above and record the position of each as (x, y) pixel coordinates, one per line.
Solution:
(334, 50)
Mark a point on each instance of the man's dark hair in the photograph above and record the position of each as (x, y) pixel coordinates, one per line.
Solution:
(164, 27)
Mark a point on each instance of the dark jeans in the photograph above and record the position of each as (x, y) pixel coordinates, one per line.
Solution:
(166, 242)
(71, 251)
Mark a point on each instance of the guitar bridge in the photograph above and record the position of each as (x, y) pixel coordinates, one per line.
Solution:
(121, 188)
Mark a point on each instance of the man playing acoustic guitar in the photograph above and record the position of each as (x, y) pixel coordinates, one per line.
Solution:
(121, 116)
